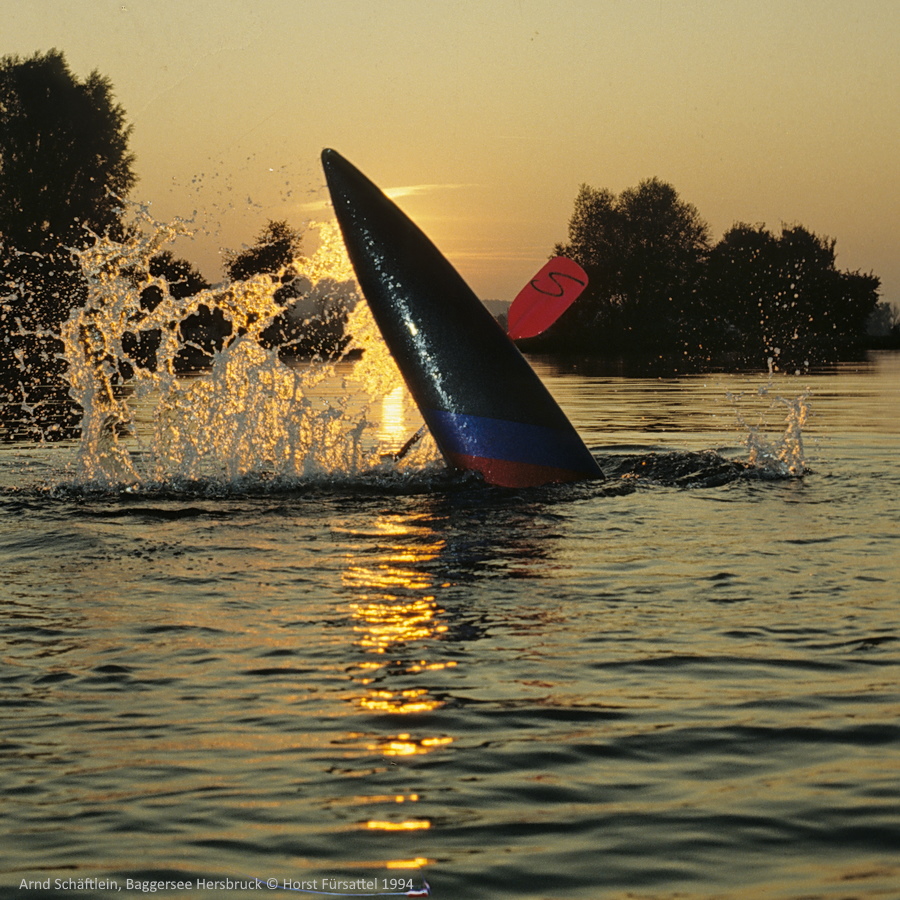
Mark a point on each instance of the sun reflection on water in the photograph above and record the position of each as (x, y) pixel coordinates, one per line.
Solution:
(394, 430)
(407, 825)
(394, 607)
(396, 618)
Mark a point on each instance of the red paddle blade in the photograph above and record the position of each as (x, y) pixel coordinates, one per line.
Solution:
(545, 298)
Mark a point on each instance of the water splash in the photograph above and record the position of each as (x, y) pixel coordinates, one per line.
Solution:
(783, 455)
(254, 417)
(786, 455)
(252, 414)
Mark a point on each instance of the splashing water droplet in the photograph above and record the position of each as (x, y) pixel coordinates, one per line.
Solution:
(251, 414)
(784, 455)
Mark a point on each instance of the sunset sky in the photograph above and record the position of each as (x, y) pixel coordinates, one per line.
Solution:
(484, 116)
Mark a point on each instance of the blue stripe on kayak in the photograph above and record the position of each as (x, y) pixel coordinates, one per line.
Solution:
(512, 441)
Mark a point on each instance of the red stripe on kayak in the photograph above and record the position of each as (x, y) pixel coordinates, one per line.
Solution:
(503, 473)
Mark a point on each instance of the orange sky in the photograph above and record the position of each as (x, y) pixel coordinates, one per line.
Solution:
(490, 113)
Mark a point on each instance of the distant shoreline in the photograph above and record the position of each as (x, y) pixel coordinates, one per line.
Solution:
(648, 365)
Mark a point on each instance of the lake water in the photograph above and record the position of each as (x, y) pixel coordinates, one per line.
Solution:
(679, 683)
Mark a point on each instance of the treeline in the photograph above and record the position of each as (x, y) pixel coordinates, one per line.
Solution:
(310, 325)
(659, 288)
(65, 172)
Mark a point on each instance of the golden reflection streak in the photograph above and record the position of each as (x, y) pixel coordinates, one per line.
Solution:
(403, 702)
(408, 825)
(405, 745)
(396, 606)
(394, 431)
(416, 863)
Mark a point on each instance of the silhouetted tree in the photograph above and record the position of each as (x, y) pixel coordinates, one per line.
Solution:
(64, 167)
(643, 252)
(656, 286)
(322, 332)
(202, 333)
(883, 326)
(64, 160)
(783, 297)
(276, 248)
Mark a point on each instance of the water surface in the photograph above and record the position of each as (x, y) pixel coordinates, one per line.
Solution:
(681, 682)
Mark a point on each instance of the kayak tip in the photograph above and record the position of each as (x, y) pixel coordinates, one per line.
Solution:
(485, 406)
(331, 159)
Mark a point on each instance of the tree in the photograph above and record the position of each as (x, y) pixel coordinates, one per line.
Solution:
(643, 252)
(64, 170)
(202, 333)
(64, 159)
(657, 287)
(313, 321)
(784, 297)
(276, 248)
(883, 326)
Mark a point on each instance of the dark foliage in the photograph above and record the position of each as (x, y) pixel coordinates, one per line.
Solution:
(883, 327)
(643, 252)
(660, 291)
(64, 160)
(274, 252)
(276, 249)
(782, 298)
(64, 167)
(202, 333)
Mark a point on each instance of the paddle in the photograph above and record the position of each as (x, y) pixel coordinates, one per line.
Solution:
(545, 298)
